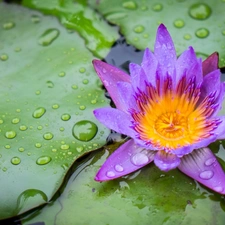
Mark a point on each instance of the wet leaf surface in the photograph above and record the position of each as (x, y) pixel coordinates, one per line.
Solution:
(148, 196)
(48, 90)
(191, 23)
(76, 15)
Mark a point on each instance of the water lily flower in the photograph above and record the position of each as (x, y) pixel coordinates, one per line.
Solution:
(168, 106)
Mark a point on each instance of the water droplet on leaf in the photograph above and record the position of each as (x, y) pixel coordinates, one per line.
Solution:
(130, 5)
(39, 112)
(84, 130)
(43, 160)
(35, 19)
(139, 29)
(48, 37)
(15, 160)
(62, 74)
(202, 33)
(65, 117)
(48, 136)
(50, 84)
(23, 127)
(29, 198)
(15, 120)
(8, 25)
(200, 11)
(4, 57)
(157, 7)
(10, 134)
(179, 23)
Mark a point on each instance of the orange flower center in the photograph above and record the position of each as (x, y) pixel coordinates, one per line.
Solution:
(173, 119)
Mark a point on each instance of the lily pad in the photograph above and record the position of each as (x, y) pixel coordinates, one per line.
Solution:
(190, 23)
(76, 15)
(48, 90)
(148, 196)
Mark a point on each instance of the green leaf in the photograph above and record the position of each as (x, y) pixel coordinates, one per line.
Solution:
(99, 36)
(148, 196)
(190, 23)
(48, 90)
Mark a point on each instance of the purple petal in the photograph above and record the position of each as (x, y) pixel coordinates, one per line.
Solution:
(109, 76)
(203, 166)
(200, 144)
(211, 83)
(164, 51)
(166, 161)
(196, 70)
(211, 63)
(126, 95)
(138, 76)
(116, 120)
(149, 65)
(221, 128)
(126, 159)
(186, 60)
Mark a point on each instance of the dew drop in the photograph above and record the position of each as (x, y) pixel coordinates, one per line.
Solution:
(64, 147)
(74, 86)
(8, 25)
(7, 146)
(210, 161)
(1, 121)
(35, 19)
(79, 149)
(84, 130)
(61, 128)
(48, 37)
(62, 74)
(38, 145)
(50, 84)
(15, 120)
(10, 134)
(43, 160)
(39, 112)
(110, 174)
(187, 36)
(94, 101)
(54, 150)
(139, 29)
(28, 198)
(119, 168)
(206, 175)
(15, 160)
(218, 189)
(48, 136)
(37, 92)
(17, 49)
(223, 32)
(82, 107)
(21, 149)
(55, 106)
(157, 7)
(200, 11)
(4, 169)
(65, 117)
(39, 127)
(82, 70)
(202, 33)
(130, 5)
(139, 159)
(4, 57)
(23, 127)
(179, 23)
(85, 81)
